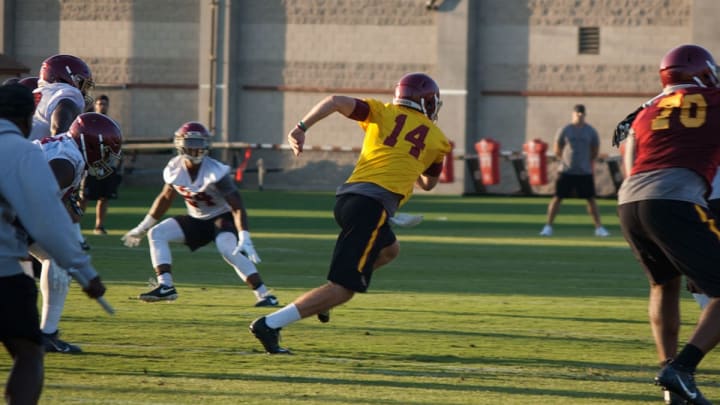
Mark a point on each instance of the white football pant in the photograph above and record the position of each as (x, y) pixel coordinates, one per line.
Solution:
(160, 236)
(54, 287)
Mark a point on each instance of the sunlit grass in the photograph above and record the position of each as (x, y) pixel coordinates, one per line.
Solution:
(477, 309)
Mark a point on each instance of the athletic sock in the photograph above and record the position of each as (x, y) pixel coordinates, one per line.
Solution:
(260, 291)
(689, 357)
(165, 279)
(283, 317)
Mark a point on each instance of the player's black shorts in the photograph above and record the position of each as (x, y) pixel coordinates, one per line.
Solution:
(365, 232)
(670, 238)
(18, 308)
(200, 232)
(94, 189)
(714, 206)
(575, 185)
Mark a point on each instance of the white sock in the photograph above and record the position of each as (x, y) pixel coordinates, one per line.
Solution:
(165, 279)
(260, 292)
(54, 284)
(283, 317)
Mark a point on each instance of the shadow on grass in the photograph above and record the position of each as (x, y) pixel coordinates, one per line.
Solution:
(458, 383)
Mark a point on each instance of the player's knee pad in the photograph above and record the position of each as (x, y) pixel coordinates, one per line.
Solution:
(159, 238)
(226, 243)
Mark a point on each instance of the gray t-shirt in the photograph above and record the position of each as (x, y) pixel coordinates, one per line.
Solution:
(674, 183)
(577, 143)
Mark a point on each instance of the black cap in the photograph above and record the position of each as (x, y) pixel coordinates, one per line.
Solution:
(579, 108)
(16, 102)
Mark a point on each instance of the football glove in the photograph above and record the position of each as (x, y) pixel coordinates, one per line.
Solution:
(405, 220)
(135, 235)
(246, 248)
(623, 128)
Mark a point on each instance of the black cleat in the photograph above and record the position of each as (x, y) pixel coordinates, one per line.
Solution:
(84, 245)
(675, 379)
(53, 344)
(269, 337)
(268, 301)
(324, 317)
(160, 293)
(672, 398)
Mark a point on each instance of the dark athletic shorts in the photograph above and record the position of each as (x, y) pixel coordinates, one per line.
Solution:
(575, 185)
(19, 316)
(94, 189)
(200, 232)
(365, 232)
(670, 238)
(714, 206)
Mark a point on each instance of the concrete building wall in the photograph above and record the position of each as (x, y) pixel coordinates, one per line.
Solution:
(508, 69)
(142, 54)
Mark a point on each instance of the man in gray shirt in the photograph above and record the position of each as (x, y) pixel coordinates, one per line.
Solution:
(576, 145)
(29, 206)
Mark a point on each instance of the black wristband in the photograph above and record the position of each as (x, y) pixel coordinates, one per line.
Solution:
(302, 126)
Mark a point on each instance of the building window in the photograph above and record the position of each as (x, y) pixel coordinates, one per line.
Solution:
(589, 40)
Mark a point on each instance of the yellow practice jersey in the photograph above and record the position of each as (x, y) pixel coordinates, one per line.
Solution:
(400, 144)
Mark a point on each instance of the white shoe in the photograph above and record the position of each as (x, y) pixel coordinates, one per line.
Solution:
(601, 232)
(405, 220)
(546, 231)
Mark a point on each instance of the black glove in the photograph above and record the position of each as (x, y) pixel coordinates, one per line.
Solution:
(623, 127)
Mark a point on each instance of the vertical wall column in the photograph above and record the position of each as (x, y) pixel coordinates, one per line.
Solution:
(452, 76)
(214, 66)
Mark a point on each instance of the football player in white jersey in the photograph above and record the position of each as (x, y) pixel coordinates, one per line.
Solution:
(93, 144)
(61, 94)
(215, 212)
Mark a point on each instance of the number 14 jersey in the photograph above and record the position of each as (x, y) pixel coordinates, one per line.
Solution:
(400, 144)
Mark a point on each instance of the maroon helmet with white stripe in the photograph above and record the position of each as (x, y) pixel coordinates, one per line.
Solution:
(192, 141)
(419, 92)
(100, 141)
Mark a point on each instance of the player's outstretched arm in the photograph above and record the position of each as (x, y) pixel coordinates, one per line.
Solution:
(335, 103)
(160, 206)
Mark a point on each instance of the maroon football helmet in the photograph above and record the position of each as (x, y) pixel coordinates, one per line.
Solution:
(100, 140)
(419, 92)
(192, 141)
(689, 64)
(67, 69)
(29, 82)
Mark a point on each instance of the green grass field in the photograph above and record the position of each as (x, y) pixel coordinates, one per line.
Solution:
(478, 309)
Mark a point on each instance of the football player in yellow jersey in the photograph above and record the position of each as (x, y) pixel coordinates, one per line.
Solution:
(402, 148)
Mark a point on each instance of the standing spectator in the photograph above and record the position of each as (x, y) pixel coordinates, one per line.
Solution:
(672, 154)
(215, 212)
(576, 145)
(28, 196)
(101, 189)
(402, 147)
